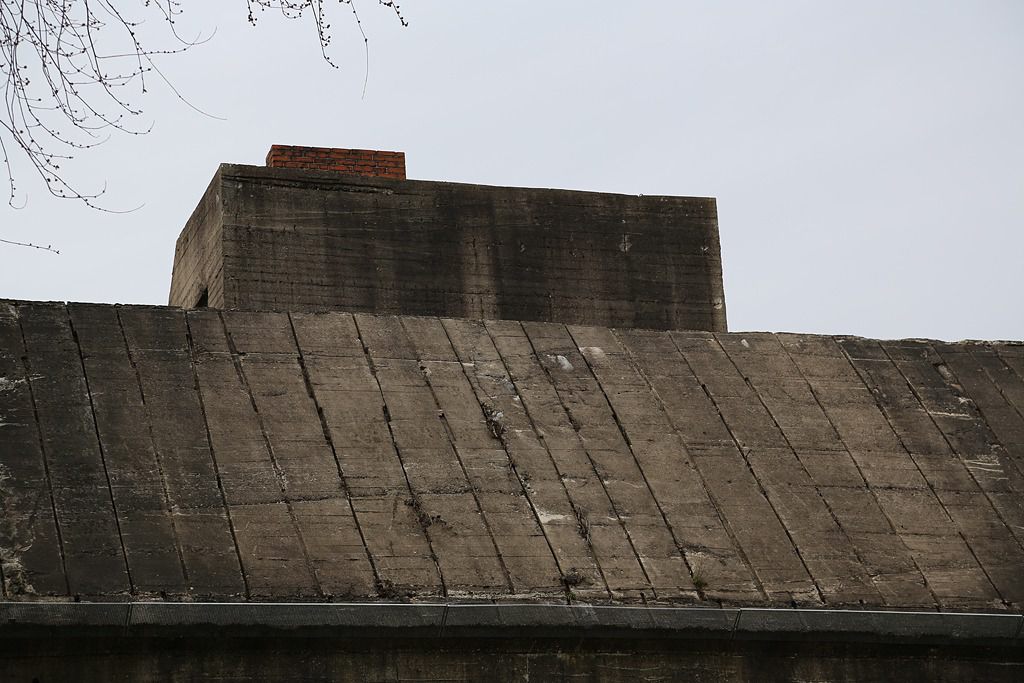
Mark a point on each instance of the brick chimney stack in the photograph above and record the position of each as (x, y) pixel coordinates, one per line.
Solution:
(354, 162)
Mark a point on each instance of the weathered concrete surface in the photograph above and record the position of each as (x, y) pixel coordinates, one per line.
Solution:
(299, 240)
(154, 453)
(142, 641)
(227, 659)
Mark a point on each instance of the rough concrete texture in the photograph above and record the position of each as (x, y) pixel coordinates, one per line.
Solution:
(303, 240)
(225, 659)
(154, 453)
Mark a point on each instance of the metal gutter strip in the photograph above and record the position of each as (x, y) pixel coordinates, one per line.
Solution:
(452, 621)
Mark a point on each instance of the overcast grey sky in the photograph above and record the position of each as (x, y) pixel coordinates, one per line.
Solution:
(867, 157)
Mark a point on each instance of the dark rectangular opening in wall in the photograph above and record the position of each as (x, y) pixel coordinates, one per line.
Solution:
(204, 299)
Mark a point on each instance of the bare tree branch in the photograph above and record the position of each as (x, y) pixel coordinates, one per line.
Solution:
(72, 72)
(48, 247)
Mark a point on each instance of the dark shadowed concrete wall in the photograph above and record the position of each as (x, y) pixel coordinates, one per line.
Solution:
(292, 239)
(297, 659)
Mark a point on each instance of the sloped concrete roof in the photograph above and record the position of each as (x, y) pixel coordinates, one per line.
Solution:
(153, 453)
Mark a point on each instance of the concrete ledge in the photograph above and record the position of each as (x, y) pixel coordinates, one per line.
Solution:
(362, 620)
(876, 626)
(89, 619)
(482, 621)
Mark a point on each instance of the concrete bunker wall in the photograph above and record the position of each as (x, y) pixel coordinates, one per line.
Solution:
(301, 240)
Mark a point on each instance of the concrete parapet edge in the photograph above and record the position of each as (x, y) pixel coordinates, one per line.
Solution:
(535, 621)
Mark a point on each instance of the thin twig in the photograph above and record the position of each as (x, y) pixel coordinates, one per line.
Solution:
(34, 246)
(71, 71)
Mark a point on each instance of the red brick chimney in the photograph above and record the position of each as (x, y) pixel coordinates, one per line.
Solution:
(361, 162)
